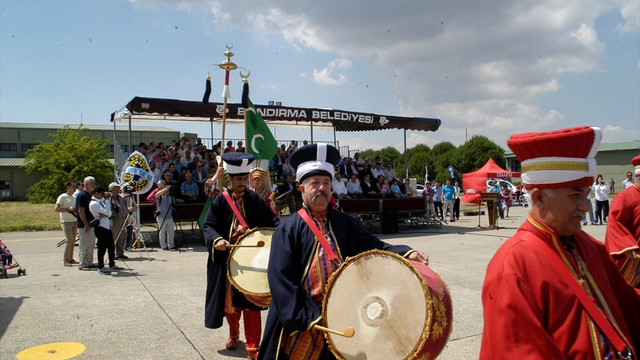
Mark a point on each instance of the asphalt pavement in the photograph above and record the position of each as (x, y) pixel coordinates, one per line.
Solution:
(154, 308)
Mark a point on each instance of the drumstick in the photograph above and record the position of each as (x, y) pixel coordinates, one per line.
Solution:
(258, 244)
(348, 332)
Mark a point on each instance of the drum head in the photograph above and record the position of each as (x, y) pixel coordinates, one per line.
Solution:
(384, 299)
(247, 266)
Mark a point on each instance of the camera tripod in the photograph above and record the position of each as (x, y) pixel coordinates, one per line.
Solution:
(131, 219)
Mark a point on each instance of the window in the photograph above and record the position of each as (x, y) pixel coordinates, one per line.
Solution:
(8, 147)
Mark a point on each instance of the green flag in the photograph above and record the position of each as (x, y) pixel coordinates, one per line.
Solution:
(260, 140)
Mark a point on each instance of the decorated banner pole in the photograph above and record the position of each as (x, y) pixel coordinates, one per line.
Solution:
(227, 66)
(137, 175)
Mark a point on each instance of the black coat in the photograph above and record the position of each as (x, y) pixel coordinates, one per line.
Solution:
(217, 225)
(292, 244)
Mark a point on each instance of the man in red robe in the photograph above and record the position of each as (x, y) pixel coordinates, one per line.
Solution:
(552, 291)
(623, 229)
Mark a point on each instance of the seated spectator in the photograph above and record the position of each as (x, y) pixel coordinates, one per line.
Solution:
(366, 170)
(368, 188)
(274, 186)
(408, 189)
(385, 191)
(292, 147)
(395, 189)
(187, 157)
(377, 171)
(189, 189)
(288, 185)
(347, 168)
(338, 187)
(287, 168)
(358, 162)
(277, 162)
(389, 172)
(353, 188)
(229, 147)
(174, 175)
(199, 151)
(200, 176)
(183, 175)
(156, 171)
(240, 148)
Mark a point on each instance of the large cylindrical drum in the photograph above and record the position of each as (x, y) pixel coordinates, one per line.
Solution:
(247, 266)
(399, 309)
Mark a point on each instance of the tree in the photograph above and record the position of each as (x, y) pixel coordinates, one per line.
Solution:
(70, 156)
(474, 153)
(441, 156)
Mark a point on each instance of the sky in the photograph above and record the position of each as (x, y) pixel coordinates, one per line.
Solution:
(491, 68)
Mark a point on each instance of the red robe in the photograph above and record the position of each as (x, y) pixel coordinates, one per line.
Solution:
(531, 313)
(623, 233)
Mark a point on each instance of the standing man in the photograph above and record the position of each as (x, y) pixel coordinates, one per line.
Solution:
(66, 206)
(164, 216)
(437, 199)
(623, 230)
(300, 264)
(87, 236)
(628, 182)
(233, 212)
(100, 208)
(119, 212)
(552, 291)
(448, 192)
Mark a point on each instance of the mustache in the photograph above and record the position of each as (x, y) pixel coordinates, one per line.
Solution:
(326, 196)
(578, 214)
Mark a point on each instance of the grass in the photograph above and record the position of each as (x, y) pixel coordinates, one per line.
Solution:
(25, 216)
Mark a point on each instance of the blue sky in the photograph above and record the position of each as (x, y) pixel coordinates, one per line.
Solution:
(491, 68)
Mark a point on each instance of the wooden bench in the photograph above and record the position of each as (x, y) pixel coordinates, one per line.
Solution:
(183, 212)
(388, 211)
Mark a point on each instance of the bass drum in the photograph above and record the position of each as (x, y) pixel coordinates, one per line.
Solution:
(399, 309)
(247, 266)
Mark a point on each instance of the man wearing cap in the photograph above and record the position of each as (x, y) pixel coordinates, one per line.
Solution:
(233, 212)
(623, 229)
(551, 291)
(300, 264)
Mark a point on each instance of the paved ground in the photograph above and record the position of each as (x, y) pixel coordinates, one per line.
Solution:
(154, 309)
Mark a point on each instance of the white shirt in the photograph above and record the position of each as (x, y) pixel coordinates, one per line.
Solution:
(98, 207)
(376, 172)
(627, 184)
(338, 187)
(601, 191)
(65, 201)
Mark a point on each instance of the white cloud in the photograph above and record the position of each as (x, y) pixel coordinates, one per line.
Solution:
(325, 76)
(477, 65)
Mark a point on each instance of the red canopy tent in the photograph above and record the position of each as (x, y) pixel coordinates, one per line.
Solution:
(476, 182)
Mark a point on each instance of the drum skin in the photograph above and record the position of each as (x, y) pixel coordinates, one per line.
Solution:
(399, 309)
(247, 266)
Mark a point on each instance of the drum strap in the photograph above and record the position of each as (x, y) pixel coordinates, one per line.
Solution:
(235, 210)
(589, 304)
(318, 233)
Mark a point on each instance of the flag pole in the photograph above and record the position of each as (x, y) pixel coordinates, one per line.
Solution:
(245, 93)
(227, 66)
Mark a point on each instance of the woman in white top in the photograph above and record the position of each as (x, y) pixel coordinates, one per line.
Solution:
(601, 191)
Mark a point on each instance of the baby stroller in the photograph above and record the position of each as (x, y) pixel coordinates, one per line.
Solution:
(9, 262)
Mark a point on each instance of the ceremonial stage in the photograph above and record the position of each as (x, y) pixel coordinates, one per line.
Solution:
(155, 309)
